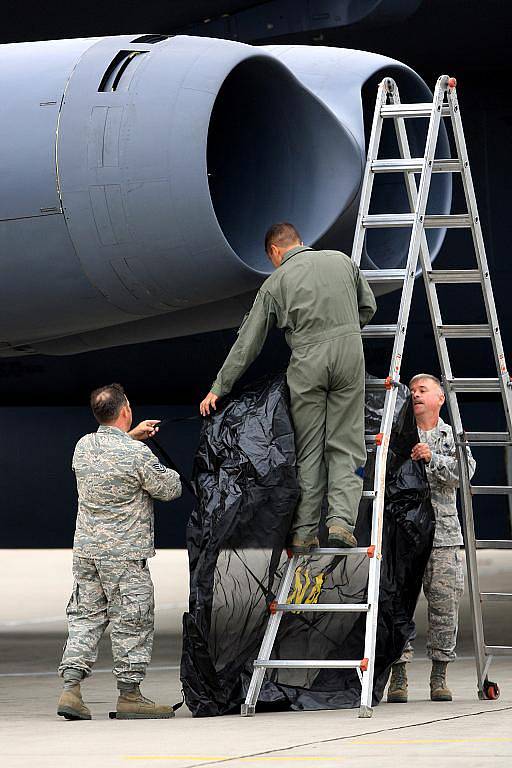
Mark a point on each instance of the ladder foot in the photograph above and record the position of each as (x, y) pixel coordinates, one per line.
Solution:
(365, 711)
(490, 691)
(247, 710)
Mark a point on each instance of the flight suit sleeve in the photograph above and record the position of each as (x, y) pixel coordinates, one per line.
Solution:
(444, 466)
(251, 337)
(365, 299)
(159, 481)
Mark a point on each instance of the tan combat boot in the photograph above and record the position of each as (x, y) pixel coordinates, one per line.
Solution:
(439, 691)
(132, 705)
(71, 705)
(340, 537)
(397, 689)
(303, 546)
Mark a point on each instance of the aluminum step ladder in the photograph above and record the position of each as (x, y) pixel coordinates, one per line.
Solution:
(387, 106)
(446, 105)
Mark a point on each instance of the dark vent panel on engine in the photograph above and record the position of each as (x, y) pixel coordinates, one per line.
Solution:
(121, 70)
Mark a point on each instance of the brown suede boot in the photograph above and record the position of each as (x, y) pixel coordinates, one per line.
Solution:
(439, 691)
(132, 705)
(340, 537)
(71, 705)
(397, 689)
(303, 546)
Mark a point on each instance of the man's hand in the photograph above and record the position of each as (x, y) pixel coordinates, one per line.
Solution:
(145, 429)
(210, 400)
(421, 451)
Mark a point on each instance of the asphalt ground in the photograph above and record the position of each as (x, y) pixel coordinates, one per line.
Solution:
(34, 587)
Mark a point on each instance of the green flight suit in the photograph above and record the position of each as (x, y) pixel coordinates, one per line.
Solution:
(321, 300)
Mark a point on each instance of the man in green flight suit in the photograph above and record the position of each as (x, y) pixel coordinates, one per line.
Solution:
(321, 300)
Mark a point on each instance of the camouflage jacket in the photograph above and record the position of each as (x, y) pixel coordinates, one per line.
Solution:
(443, 477)
(117, 479)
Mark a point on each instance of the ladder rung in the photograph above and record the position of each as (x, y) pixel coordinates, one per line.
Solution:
(465, 331)
(375, 385)
(318, 607)
(498, 650)
(449, 221)
(415, 165)
(474, 385)
(454, 276)
(495, 597)
(388, 220)
(309, 664)
(379, 331)
(490, 490)
(386, 276)
(494, 544)
(444, 221)
(338, 551)
(421, 109)
(487, 438)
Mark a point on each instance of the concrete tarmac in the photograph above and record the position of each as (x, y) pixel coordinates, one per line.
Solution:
(34, 588)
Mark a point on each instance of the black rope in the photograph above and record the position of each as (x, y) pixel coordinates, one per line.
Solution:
(172, 465)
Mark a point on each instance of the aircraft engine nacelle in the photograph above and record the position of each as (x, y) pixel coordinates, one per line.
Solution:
(139, 174)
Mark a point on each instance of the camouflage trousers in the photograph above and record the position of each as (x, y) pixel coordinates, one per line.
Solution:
(115, 592)
(443, 586)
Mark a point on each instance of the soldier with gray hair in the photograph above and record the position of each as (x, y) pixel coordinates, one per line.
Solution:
(117, 479)
(443, 580)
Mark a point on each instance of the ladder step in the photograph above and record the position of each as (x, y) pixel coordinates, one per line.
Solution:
(338, 550)
(494, 544)
(498, 650)
(415, 164)
(495, 597)
(379, 331)
(444, 221)
(318, 607)
(487, 438)
(385, 276)
(465, 331)
(309, 664)
(490, 490)
(448, 221)
(454, 276)
(375, 385)
(474, 385)
(388, 220)
(421, 109)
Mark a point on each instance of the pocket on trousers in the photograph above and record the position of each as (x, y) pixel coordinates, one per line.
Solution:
(136, 604)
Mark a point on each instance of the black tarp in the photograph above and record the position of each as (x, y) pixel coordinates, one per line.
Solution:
(245, 477)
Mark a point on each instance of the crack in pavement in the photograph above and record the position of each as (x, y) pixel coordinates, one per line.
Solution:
(345, 738)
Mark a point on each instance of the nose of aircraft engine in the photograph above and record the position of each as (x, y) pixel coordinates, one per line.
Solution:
(276, 153)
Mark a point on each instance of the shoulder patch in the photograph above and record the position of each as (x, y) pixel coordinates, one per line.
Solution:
(158, 467)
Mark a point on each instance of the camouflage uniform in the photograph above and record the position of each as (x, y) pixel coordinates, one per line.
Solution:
(117, 479)
(443, 580)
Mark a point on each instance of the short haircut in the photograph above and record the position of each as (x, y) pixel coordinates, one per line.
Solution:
(107, 401)
(419, 376)
(281, 234)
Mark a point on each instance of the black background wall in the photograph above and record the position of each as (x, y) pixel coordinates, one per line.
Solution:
(44, 400)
